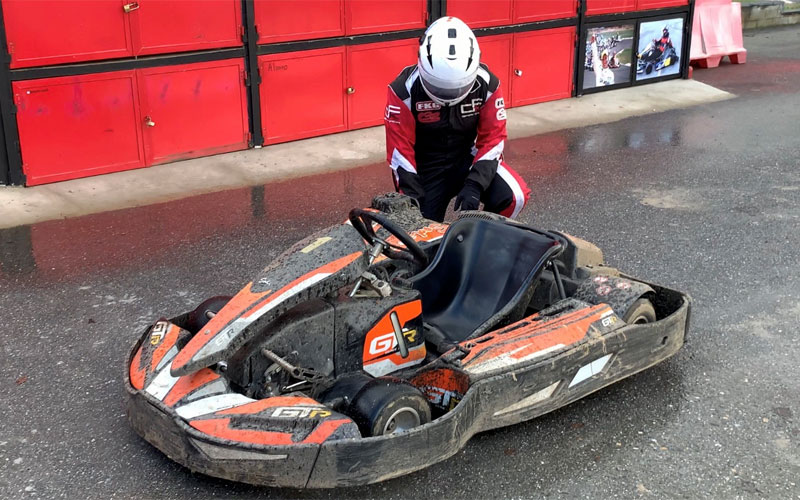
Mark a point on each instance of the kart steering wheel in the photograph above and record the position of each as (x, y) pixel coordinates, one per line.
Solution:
(362, 220)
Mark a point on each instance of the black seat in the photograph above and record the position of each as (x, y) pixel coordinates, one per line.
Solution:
(483, 274)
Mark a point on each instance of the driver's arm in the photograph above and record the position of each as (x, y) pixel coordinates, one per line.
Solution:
(491, 138)
(400, 137)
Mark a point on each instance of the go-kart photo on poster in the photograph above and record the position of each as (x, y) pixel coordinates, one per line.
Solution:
(609, 55)
(659, 48)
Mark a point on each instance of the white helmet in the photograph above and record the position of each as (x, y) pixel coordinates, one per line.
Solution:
(449, 59)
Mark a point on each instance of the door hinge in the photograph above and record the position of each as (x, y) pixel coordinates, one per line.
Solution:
(10, 48)
(243, 33)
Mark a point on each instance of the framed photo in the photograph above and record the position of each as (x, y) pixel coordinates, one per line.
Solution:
(659, 48)
(608, 56)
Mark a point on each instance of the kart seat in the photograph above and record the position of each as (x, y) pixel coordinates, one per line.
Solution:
(484, 273)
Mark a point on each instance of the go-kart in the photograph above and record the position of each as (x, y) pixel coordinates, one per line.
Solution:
(652, 59)
(379, 346)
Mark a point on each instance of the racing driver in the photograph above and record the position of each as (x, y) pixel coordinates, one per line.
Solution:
(446, 128)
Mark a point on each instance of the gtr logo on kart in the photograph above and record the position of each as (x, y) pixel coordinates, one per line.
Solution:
(300, 412)
(158, 332)
(386, 343)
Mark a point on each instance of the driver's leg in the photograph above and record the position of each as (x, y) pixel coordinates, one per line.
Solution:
(507, 193)
(433, 204)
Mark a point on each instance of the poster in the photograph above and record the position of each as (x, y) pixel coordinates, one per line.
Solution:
(609, 55)
(659, 48)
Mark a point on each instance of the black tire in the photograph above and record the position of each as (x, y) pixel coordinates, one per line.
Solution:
(389, 406)
(203, 313)
(640, 312)
(649, 68)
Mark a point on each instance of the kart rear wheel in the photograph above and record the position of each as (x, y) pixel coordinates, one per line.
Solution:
(203, 313)
(389, 406)
(640, 313)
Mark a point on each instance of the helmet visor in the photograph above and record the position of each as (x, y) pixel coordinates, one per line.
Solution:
(446, 96)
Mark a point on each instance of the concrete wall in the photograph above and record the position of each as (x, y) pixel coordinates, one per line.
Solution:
(766, 14)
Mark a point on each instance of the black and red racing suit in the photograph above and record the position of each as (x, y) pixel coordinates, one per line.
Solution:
(433, 149)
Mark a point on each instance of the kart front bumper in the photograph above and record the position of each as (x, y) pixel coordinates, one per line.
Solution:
(494, 400)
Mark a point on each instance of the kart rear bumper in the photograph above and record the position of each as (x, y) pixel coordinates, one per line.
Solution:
(494, 400)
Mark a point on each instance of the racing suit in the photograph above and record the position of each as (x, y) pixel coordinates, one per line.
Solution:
(435, 151)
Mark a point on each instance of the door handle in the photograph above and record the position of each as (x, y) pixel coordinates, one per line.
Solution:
(149, 121)
(518, 72)
(351, 90)
(130, 7)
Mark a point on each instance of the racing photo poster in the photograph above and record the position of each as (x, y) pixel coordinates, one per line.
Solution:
(609, 53)
(659, 48)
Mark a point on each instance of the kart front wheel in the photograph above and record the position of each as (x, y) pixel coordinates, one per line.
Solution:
(640, 312)
(207, 309)
(389, 406)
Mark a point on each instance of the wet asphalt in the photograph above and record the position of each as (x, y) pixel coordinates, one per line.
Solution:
(706, 200)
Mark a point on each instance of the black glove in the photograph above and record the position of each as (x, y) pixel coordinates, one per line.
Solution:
(470, 196)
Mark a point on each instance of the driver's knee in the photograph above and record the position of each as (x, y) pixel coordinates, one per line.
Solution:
(508, 193)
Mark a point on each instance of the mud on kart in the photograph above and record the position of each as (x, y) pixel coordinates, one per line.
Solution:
(380, 346)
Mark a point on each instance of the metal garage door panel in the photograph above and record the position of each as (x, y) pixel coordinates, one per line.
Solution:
(78, 126)
(194, 110)
(480, 13)
(594, 7)
(43, 32)
(370, 69)
(659, 4)
(161, 26)
(371, 16)
(543, 65)
(527, 11)
(302, 94)
(280, 21)
(496, 53)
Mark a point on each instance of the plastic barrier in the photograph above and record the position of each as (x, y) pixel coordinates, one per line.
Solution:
(716, 33)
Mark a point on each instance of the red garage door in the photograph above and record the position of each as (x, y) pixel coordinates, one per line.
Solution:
(496, 53)
(280, 21)
(542, 65)
(42, 32)
(162, 26)
(193, 110)
(659, 4)
(302, 94)
(526, 11)
(480, 13)
(371, 16)
(78, 126)
(370, 68)
(594, 7)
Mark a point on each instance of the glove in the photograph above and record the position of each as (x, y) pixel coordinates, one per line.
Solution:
(470, 196)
